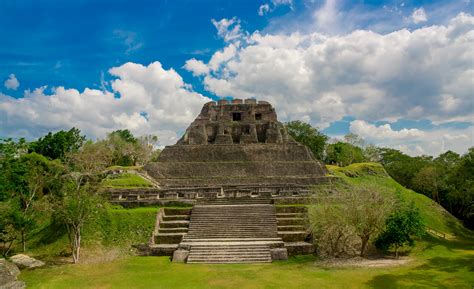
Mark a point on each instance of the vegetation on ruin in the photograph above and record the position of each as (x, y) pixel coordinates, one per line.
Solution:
(126, 180)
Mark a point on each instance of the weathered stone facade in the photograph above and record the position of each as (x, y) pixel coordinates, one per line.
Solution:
(233, 149)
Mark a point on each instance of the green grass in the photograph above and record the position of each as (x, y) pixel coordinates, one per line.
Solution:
(126, 180)
(115, 228)
(435, 264)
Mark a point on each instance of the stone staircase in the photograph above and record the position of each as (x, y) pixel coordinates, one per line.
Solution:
(232, 230)
(170, 227)
(292, 229)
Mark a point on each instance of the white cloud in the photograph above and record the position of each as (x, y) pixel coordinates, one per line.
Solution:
(229, 29)
(327, 17)
(415, 141)
(168, 102)
(419, 15)
(424, 73)
(197, 67)
(263, 9)
(11, 82)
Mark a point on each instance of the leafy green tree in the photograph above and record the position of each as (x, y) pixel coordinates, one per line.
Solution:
(10, 148)
(461, 194)
(309, 136)
(400, 228)
(343, 154)
(429, 181)
(78, 204)
(59, 144)
(26, 180)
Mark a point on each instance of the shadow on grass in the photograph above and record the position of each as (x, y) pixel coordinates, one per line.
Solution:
(428, 274)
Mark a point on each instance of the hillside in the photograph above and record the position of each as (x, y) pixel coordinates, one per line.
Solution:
(373, 174)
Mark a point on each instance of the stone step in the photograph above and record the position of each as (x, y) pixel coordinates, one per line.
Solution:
(299, 248)
(174, 224)
(177, 211)
(175, 217)
(290, 221)
(169, 238)
(242, 253)
(173, 230)
(293, 236)
(290, 215)
(291, 209)
(291, 228)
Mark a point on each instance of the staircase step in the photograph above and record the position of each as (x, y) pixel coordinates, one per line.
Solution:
(293, 236)
(169, 238)
(174, 224)
(175, 217)
(291, 228)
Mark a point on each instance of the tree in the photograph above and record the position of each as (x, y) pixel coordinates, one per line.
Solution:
(10, 148)
(400, 228)
(349, 216)
(429, 181)
(354, 140)
(367, 211)
(26, 179)
(343, 154)
(77, 205)
(9, 228)
(57, 145)
(309, 136)
(128, 150)
(461, 194)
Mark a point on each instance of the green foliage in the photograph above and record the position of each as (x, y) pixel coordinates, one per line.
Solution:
(25, 181)
(309, 136)
(400, 228)
(10, 148)
(125, 135)
(447, 179)
(59, 144)
(126, 150)
(343, 154)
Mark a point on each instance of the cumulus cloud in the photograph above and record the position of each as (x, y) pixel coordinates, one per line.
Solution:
(11, 82)
(419, 15)
(145, 99)
(197, 67)
(424, 73)
(229, 29)
(415, 141)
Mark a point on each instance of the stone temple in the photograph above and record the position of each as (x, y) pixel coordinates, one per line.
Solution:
(234, 164)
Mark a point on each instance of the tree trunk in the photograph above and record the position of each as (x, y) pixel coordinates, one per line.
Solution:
(365, 241)
(396, 252)
(76, 246)
(23, 241)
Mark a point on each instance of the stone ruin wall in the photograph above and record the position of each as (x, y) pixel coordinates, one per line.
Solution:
(236, 122)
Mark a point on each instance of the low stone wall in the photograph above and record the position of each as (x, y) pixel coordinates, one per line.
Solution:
(280, 193)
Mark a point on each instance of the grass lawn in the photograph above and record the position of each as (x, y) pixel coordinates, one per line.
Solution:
(126, 180)
(434, 264)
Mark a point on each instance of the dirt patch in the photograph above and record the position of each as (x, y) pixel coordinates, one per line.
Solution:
(362, 262)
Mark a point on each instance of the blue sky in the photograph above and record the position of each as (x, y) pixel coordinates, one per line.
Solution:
(74, 44)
